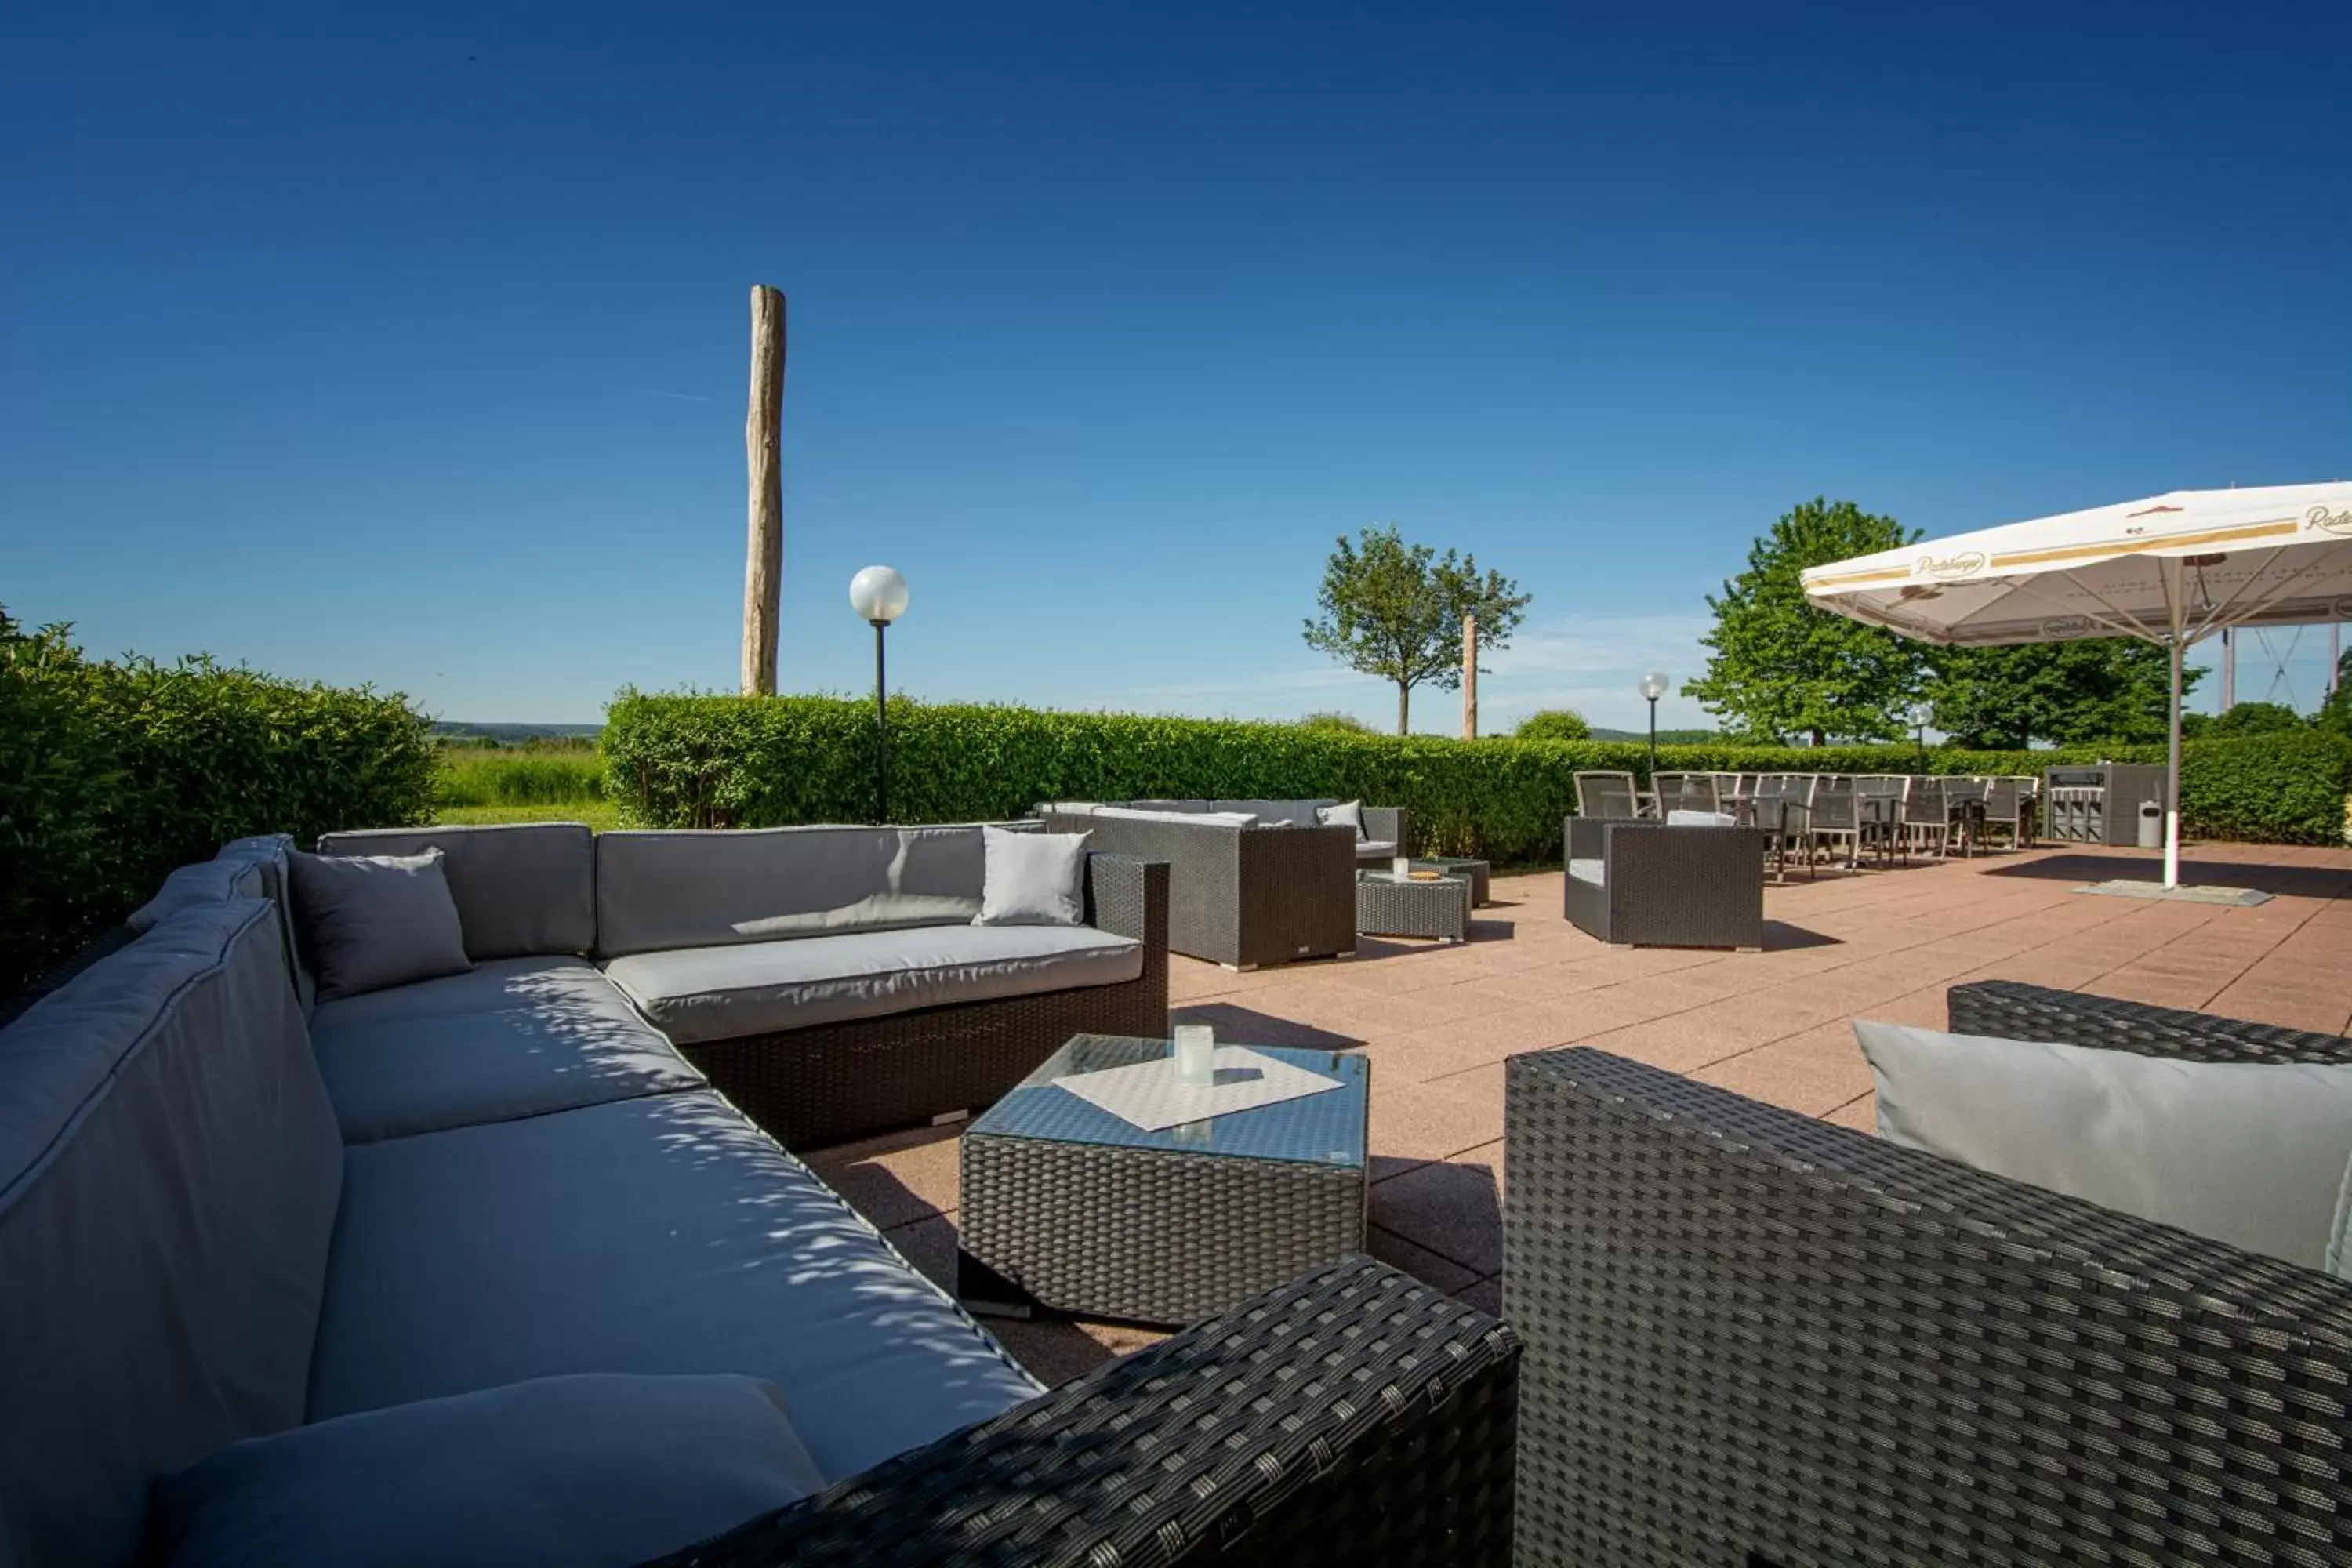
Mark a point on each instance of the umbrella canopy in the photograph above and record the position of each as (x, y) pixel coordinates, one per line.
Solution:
(2173, 569)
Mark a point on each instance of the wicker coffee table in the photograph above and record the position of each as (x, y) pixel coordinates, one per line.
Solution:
(1455, 866)
(1388, 905)
(1069, 1209)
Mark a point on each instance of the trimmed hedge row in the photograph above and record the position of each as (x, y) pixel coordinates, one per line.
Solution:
(735, 762)
(112, 774)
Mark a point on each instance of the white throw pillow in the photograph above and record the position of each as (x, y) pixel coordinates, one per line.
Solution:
(1347, 814)
(2252, 1153)
(1033, 878)
(1701, 819)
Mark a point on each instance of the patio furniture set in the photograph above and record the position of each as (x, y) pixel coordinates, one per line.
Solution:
(430, 1200)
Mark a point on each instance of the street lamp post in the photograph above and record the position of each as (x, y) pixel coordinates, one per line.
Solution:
(1919, 729)
(1654, 686)
(878, 594)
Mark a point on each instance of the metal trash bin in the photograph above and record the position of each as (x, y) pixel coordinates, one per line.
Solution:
(2151, 825)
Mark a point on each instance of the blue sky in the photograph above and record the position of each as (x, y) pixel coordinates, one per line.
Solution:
(408, 346)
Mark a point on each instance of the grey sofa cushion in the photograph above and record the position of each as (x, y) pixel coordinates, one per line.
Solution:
(205, 882)
(2253, 1153)
(662, 1234)
(1298, 813)
(488, 986)
(1593, 871)
(1375, 849)
(559, 1472)
(268, 853)
(368, 922)
(1033, 878)
(661, 890)
(169, 1171)
(1683, 819)
(550, 1046)
(1163, 814)
(521, 888)
(718, 992)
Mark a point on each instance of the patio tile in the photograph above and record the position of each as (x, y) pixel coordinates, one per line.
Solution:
(1438, 1119)
(1424, 1265)
(1451, 1207)
(895, 1179)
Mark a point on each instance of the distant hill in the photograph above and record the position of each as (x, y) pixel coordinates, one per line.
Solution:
(511, 735)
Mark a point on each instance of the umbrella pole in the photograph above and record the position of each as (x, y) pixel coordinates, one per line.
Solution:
(2172, 779)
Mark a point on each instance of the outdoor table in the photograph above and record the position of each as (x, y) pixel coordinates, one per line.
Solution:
(1772, 816)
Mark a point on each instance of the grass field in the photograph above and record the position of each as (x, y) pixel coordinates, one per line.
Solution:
(526, 784)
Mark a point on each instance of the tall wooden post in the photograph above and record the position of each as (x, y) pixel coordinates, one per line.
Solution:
(1469, 677)
(763, 429)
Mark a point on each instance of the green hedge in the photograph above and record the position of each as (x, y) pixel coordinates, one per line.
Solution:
(703, 762)
(112, 774)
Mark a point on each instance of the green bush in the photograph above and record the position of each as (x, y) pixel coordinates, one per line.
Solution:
(727, 762)
(1334, 720)
(1553, 724)
(528, 775)
(112, 774)
(2254, 718)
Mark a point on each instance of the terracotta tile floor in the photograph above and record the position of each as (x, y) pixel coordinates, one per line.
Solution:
(1437, 1022)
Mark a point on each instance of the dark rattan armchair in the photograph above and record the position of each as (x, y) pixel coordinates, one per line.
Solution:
(1242, 896)
(1355, 1418)
(1755, 1337)
(1656, 884)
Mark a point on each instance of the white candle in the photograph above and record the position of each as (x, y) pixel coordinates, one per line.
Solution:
(1401, 867)
(1196, 1055)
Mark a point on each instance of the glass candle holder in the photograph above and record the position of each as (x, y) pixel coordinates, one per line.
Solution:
(1401, 867)
(1196, 1055)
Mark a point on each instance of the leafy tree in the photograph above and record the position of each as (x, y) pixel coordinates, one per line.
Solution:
(1395, 610)
(2255, 719)
(1554, 724)
(2336, 713)
(1780, 667)
(2074, 693)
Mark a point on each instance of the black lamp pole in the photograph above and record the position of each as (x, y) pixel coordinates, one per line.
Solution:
(1654, 743)
(881, 732)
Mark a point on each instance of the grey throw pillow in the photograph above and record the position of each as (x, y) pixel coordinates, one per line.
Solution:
(593, 1469)
(1033, 878)
(2252, 1153)
(367, 921)
(1347, 814)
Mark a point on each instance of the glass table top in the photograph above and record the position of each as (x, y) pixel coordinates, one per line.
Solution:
(1324, 1129)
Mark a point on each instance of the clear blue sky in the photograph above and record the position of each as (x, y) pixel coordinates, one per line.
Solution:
(409, 345)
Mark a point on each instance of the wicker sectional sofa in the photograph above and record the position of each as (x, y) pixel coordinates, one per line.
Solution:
(1755, 1337)
(272, 1265)
(1250, 882)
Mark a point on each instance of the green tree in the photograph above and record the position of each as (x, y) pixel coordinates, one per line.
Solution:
(1334, 720)
(2074, 693)
(1782, 668)
(2255, 719)
(1394, 610)
(1554, 724)
(2336, 713)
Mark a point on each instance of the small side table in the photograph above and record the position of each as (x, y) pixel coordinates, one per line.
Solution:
(1389, 905)
(1069, 1209)
(1455, 866)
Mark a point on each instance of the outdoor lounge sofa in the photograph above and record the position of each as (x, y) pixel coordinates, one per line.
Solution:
(1757, 1337)
(829, 980)
(1634, 883)
(1250, 882)
(286, 1279)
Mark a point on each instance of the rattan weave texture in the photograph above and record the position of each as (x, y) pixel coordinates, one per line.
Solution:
(1243, 897)
(811, 1088)
(2010, 1010)
(1355, 1418)
(1667, 886)
(1749, 1332)
(1386, 907)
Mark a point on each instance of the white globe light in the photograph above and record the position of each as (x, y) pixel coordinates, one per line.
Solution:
(879, 594)
(1654, 684)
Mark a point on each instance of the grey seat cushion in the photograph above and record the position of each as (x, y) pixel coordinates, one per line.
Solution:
(1375, 849)
(662, 1234)
(1594, 871)
(486, 987)
(718, 992)
(169, 1171)
(544, 1047)
(559, 1472)
(520, 887)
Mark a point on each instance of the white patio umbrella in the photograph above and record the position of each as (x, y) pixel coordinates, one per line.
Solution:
(2173, 570)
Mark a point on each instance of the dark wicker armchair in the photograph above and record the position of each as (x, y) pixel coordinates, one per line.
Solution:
(1755, 1337)
(1241, 897)
(1356, 1418)
(1656, 884)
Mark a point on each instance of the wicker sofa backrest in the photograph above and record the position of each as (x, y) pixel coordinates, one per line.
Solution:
(523, 889)
(658, 890)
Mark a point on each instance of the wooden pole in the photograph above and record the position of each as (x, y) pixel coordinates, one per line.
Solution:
(1469, 677)
(763, 430)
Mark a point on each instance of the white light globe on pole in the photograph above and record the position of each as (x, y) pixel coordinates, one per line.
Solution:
(878, 594)
(1654, 684)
